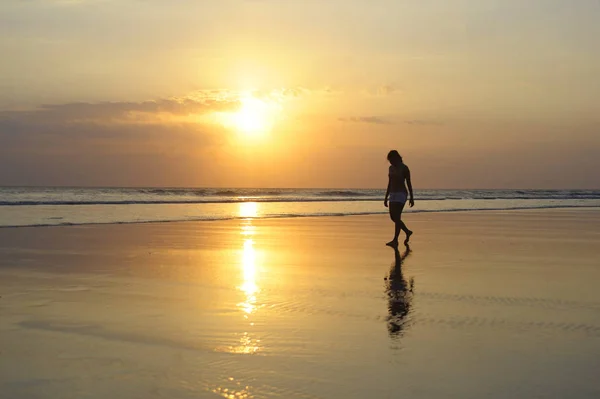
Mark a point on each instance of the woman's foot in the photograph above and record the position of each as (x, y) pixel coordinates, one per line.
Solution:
(392, 243)
(408, 234)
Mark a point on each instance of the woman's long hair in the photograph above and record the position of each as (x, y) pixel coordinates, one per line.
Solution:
(394, 158)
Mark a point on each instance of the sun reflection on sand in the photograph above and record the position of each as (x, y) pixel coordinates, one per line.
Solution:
(232, 393)
(249, 287)
(233, 389)
(248, 230)
(248, 209)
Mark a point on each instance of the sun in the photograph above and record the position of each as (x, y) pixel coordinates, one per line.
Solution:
(251, 118)
(254, 118)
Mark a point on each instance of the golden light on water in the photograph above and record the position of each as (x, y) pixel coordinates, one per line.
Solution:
(248, 230)
(249, 286)
(248, 209)
(248, 344)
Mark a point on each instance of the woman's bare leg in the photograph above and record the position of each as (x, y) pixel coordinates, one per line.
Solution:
(396, 216)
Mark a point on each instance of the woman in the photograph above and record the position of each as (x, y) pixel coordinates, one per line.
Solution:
(397, 193)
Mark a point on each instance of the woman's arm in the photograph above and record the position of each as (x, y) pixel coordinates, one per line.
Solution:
(411, 201)
(387, 192)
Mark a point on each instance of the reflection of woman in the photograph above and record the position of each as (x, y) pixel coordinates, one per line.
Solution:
(397, 193)
(400, 293)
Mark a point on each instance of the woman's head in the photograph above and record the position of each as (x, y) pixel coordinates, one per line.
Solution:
(394, 158)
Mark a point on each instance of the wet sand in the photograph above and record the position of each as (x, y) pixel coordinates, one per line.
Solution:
(486, 304)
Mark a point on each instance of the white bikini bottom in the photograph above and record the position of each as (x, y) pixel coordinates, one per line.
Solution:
(398, 197)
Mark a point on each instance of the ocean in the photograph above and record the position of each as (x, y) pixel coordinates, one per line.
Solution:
(36, 206)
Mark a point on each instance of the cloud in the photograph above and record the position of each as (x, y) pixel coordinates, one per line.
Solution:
(366, 119)
(111, 111)
(381, 91)
(283, 93)
(123, 143)
(425, 122)
(386, 90)
(125, 127)
(74, 2)
(135, 126)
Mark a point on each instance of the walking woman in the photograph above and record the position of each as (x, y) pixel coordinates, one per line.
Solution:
(399, 179)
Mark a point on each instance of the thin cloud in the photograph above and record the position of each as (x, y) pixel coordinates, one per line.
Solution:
(381, 91)
(129, 125)
(366, 119)
(386, 90)
(425, 122)
(102, 144)
(122, 110)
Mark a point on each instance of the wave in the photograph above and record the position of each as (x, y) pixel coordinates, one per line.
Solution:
(175, 202)
(226, 192)
(531, 197)
(170, 191)
(245, 192)
(225, 199)
(270, 193)
(343, 193)
(301, 215)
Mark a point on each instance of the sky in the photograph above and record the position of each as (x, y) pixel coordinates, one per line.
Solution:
(312, 93)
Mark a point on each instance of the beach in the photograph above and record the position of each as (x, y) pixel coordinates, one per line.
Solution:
(494, 304)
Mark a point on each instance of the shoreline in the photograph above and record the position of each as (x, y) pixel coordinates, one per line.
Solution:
(574, 208)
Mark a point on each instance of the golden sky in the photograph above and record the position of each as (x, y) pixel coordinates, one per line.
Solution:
(282, 93)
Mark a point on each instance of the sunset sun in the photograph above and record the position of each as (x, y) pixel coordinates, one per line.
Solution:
(254, 118)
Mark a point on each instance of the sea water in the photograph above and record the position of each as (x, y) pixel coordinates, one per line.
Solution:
(35, 206)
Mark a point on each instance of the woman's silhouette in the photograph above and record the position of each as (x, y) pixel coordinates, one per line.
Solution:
(400, 294)
(397, 193)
